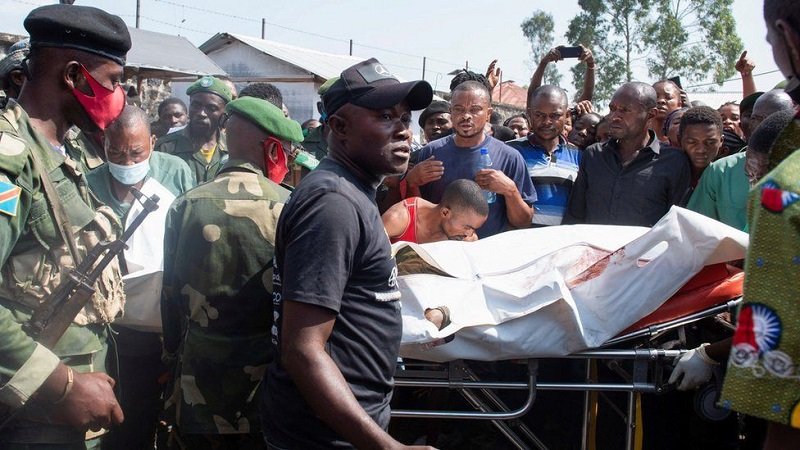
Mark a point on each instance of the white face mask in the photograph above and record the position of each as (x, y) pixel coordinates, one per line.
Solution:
(132, 174)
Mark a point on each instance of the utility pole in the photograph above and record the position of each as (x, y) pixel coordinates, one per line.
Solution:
(263, 28)
(351, 47)
(424, 60)
(466, 65)
(138, 11)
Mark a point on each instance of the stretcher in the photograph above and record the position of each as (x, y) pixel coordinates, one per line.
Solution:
(642, 367)
(588, 293)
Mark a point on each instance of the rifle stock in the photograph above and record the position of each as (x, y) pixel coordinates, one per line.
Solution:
(50, 321)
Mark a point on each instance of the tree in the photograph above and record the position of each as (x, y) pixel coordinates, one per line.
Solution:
(690, 38)
(538, 29)
(693, 38)
(613, 30)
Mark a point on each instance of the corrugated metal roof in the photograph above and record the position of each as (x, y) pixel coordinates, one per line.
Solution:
(510, 93)
(321, 64)
(158, 54)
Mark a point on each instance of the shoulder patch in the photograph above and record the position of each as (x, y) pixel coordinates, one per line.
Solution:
(13, 154)
(9, 198)
(11, 145)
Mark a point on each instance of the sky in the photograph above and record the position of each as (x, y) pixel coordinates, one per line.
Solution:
(399, 34)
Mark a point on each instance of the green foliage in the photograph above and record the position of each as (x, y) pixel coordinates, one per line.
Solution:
(693, 39)
(538, 29)
(612, 30)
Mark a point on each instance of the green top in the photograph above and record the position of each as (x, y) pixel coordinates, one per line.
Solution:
(216, 299)
(81, 148)
(170, 171)
(722, 192)
(32, 254)
(180, 145)
(762, 376)
(315, 144)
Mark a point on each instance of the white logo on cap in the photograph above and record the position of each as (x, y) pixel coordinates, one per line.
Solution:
(380, 70)
(206, 82)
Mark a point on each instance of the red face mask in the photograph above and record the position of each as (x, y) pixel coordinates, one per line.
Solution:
(102, 107)
(275, 171)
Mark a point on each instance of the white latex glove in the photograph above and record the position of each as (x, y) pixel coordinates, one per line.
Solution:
(696, 368)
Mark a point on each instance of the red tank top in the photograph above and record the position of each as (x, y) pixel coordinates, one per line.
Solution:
(410, 233)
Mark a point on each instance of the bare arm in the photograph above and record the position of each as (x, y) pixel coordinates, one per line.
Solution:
(493, 74)
(720, 350)
(395, 220)
(745, 67)
(588, 77)
(536, 80)
(306, 329)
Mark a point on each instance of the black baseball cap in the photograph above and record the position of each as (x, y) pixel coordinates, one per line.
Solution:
(370, 85)
(79, 27)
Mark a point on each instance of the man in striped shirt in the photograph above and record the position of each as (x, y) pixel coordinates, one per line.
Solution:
(552, 162)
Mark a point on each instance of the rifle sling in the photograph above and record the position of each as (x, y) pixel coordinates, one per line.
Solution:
(62, 220)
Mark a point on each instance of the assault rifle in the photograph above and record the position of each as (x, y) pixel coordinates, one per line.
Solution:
(52, 318)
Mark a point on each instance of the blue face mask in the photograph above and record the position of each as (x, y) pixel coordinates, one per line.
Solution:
(130, 175)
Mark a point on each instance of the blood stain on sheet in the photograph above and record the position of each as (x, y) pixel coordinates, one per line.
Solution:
(595, 269)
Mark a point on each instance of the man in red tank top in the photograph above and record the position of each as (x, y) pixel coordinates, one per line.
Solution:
(462, 210)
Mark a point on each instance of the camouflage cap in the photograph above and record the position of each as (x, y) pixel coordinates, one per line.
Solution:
(212, 85)
(267, 116)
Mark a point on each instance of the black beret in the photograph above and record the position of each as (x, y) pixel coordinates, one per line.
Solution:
(436, 107)
(79, 27)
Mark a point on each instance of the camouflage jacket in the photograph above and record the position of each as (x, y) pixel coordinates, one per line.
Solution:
(215, 305)
(34, 259)
(180, 145)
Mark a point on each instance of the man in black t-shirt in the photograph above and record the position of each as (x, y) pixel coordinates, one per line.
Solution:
(337, 317)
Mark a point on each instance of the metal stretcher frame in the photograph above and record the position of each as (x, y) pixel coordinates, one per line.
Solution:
(646, 377)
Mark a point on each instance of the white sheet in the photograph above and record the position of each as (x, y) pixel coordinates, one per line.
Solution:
(557, 290)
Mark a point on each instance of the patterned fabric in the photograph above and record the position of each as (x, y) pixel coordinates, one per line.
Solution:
(763, 377)
(33, 260)
(215, 305)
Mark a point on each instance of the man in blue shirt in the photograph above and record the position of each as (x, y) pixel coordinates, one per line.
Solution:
(552, 162)
(458, 156)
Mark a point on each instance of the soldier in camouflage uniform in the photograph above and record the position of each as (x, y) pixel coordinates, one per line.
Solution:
(201, 144)
(76, 64)
(218, 250)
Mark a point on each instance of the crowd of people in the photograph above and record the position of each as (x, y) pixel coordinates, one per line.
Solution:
(258, 305)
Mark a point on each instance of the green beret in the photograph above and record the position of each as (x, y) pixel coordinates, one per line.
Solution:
(267, 116)
(324, 88)
(213, 85)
